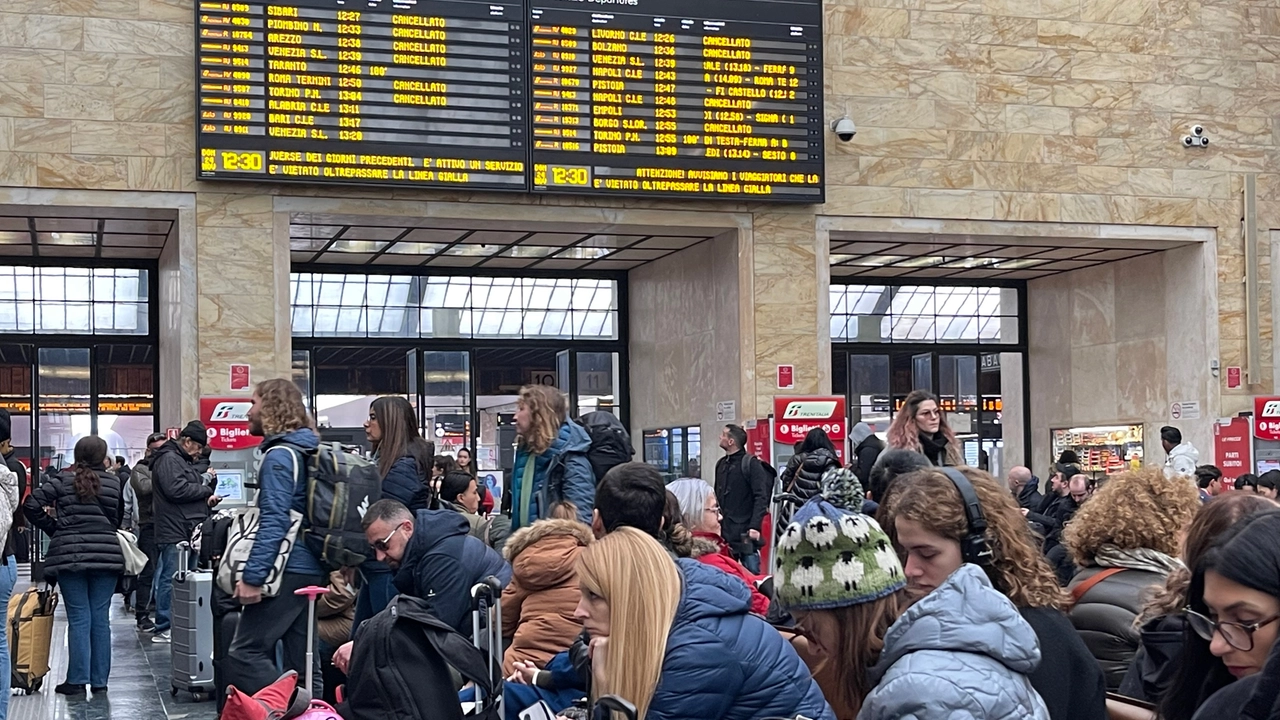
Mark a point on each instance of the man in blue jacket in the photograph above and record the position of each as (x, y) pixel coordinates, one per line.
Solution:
(279, 416)
(435, 559)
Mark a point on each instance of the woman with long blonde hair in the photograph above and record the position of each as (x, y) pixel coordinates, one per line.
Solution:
(926, 518)
(551, 463)
(677, 638)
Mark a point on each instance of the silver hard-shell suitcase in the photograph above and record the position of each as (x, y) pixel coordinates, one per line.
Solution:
(191, 632)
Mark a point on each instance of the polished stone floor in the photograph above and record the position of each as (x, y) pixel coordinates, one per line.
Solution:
(139, 684)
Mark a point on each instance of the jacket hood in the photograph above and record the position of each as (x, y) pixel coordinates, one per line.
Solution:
(818, 460)
(707, 544)
(572, 438)
(860, 432)
(547, 553)
(708, 593)
(432, 527)
(1183, 459)
(964, 614)
(1031, 489)
(304, 438)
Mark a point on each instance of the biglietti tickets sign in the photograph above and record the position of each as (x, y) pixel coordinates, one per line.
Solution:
(1266, 418)
(794, 417)
(227, 421)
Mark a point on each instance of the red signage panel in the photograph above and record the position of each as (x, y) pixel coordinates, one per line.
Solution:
(786, 377)
(758, 439)
(227, 422)
(1266, 418)
(1232, 447)
(794, 417)
(239, 376)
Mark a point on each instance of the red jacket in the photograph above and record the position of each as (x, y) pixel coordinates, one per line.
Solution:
(714, 551)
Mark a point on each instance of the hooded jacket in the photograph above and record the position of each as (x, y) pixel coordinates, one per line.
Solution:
(1030, 497)
(865, 452)
(1182, 460)
(1104, 616)
(962, 651)
(712, 550)
(723, 662)
(1152, 669)
(561, 473)
(804, 478)
(282, 487)
(180, 499)
(82, 533)
(538, 605)
(442, 562)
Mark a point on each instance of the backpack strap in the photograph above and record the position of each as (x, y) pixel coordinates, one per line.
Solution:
(1080, 590)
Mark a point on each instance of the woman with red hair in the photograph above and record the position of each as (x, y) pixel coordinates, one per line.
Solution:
(921, 426)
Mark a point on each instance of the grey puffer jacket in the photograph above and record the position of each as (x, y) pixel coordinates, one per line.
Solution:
(962, 651)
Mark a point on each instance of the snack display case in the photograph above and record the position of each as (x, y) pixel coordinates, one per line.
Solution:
(1106, 449)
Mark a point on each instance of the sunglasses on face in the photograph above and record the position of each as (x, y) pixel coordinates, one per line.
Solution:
(382, 544)
(1237, 635)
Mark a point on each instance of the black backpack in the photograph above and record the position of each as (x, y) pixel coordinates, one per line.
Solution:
(400, 668)
(340, 488)
(610, 443)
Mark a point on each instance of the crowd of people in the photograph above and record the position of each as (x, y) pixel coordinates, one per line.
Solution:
(904, 584)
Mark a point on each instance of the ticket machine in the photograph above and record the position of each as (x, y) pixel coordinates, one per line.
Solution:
(236, 453)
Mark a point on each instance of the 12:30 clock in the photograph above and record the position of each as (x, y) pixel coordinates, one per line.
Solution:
(246, 161)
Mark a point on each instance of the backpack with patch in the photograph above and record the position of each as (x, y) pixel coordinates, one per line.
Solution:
(610, 443)
(340, 488)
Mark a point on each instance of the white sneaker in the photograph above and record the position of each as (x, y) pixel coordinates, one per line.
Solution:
(161, 637)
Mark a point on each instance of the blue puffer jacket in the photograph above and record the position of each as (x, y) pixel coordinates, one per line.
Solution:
(442, 562)
(572, 478)
(723, 662)
(962, 651)
(406, 484)
(282, 486)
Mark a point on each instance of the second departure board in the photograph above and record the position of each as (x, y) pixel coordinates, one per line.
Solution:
(648, 98)
(414, 92)
(711, 98)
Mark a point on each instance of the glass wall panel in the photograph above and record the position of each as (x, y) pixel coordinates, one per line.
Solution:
(923, 314)
(446, 383)
(69, 300)
(597, 382)
(125, 379)
(347, 380)
(16, 363)
(63, 404)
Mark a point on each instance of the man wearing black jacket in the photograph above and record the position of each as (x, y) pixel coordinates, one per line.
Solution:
(1057, 507)
(743, 487)
(140, 481)
(1025, 488)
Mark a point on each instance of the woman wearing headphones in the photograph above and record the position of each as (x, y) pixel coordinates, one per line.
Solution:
(928, 521)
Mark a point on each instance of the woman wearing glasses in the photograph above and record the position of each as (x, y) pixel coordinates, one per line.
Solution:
(921, 426)
(1233, 605)
(700, 513)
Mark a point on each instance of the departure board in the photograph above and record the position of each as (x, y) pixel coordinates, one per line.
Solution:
(712, 98)
(416, 92)
(717, 99)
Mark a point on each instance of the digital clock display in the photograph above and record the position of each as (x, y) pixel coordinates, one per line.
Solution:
(663, 98)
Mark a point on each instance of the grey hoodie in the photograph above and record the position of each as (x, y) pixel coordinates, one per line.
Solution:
(962, 651)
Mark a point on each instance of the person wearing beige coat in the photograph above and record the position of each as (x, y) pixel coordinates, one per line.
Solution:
(538, 604)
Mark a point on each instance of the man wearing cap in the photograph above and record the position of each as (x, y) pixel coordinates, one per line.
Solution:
(181, 498)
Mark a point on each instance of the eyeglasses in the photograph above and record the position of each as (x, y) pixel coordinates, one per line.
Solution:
(713, 510)
(929, 413)
(382, 544)
(1237, 635)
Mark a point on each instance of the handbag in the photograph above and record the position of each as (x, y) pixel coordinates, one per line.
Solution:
(240, 540)
(135, 561)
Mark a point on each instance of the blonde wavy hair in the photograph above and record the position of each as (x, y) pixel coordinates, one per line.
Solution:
(547, 411)
(280, 407)
(1132, 510)
(641, 584)
(1018, 569)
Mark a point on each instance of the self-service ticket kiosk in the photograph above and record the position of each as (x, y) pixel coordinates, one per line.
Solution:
(236, 453)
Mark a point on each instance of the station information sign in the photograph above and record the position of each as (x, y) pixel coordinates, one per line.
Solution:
(411, 92)
(669, 98)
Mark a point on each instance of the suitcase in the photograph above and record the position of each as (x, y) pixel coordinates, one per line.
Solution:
(30, 635)
(191, 631)
(486, 634)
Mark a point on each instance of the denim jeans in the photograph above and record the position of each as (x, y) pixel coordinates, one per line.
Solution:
(752, 562)
(8, 578)
(374, 596)
(162, 585)
(147, 579)
(88, 599)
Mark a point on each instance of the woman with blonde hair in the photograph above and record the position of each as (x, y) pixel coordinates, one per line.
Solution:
(1125, 540)
(927, 519)
(677, 639)
(551, 463)
(921, 426)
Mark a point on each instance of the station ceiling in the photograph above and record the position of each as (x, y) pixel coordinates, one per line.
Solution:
(83, 233)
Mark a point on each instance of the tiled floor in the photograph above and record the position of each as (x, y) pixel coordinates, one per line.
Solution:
(139, 679)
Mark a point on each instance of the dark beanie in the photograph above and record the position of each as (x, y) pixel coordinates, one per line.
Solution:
(6, 426)
(195, 431)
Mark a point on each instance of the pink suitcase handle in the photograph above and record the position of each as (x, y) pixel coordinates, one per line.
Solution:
(311, 591)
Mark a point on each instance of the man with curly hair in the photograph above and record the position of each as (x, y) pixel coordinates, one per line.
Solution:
(280, 418)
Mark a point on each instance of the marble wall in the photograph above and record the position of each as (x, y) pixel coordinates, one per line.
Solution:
(684, 342)
(1117, 344)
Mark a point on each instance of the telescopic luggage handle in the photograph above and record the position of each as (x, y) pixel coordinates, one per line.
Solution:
(489, 589)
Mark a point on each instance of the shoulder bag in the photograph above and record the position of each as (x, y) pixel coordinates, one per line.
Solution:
(240, 539)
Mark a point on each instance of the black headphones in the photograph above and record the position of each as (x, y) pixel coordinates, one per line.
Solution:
(973, 547)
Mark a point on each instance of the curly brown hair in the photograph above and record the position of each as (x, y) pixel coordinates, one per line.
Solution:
(547, 412)
(1210, 521)
(280, 407)
(1132, 510)
(1018, 569)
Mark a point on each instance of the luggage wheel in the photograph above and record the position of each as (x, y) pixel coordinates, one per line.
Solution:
(199, 696)
(173, 691)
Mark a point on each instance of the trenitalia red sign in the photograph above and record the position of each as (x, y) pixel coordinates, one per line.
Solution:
(794, 417)
(1266, 418)
(1232, 447)
(227, 421)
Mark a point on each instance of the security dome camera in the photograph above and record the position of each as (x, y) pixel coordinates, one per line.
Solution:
(1197, 130)
(844, 129)
(1189, 141)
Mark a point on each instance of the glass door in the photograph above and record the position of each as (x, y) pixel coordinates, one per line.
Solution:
(63, 404)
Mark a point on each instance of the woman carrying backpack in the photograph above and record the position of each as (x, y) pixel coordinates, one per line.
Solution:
(551, 462)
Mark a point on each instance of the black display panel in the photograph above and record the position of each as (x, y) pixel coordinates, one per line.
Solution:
(705, 98)
(713, 99)
(426, 93)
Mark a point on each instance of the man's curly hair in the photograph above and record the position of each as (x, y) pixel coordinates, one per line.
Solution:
(1133, 510)
(282, 408)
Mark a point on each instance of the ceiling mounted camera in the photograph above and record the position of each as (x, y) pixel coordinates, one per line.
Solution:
(844, 129)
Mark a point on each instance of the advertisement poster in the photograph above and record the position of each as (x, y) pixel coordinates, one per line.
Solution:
(1232, 447)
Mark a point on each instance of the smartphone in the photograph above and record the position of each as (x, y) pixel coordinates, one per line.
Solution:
(541, 711)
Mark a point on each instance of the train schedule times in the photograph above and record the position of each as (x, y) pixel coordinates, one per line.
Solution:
(718, 98)
(407, 92)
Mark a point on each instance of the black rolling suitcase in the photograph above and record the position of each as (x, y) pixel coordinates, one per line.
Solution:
(486, 634)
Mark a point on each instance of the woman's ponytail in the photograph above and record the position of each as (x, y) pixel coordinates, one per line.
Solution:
(87, 482)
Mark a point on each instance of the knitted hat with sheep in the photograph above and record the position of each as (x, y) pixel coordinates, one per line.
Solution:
(829, 557)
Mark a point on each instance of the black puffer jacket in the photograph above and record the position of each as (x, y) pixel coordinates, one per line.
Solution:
(1104, 617)
(83, 532)
(179, 496)
(804, 477)
(1153, 668)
